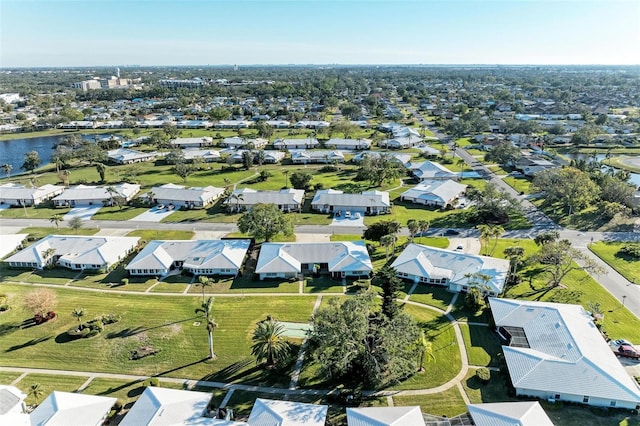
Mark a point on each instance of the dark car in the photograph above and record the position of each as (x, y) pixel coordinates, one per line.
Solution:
(451, 232)
(628, 352)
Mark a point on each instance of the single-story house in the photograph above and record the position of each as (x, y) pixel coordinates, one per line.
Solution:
(306, 143)
(439, 193)
(451, 269)
(273, 157)
(401, 142)
(238, 142)
(268, 412)
(12, 409)
(206, 155)
(180, 196)
(429, 170)
(401, 158)
(554, 351)
(159, 406)
(279, 124)
(338, 258)
(74, 252)
(532, 165)
(69, 408)
(311, 124)
(349, 144)
(367, 202)
(520, 413)
(129, 156)
(194, 124)
(192, 142)
(233, 124)
(385, 416)
(301, 156)
(199, 257)
(287, 200)
(427, 150)
(80, 124)
(14, 194)
(11, 242)
(86, 195)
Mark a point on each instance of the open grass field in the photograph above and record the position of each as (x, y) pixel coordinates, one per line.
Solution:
(497, 390)
(520, 184)
(242, 285)
(448, 403)
(623, 264)
(7, 377)
(165, 323)
(431, 295)
(39, 212)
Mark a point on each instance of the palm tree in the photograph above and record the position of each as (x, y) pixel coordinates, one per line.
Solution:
(204, 282)
(36, 391)
(286, 178)
(268, 342)
(150, 196)
(515, 254)
(237, 198)
(487, 232)
(423, 226)
(206, 309)
(6, 168)
(47, 254)
(113, 192)
(426, 350)
(388, 241)
(414, 227)
(55, 219)
(78, 313)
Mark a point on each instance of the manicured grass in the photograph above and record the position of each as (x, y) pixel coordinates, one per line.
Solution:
(32, 212)
(7, 377)
(519, 184)
(497, 390)
(167, 287)
(241, 285)
(581, 416)
(323, 284)
(435, 296)
(345, 237)
(438, 242)
(623, 264)
(577, 287)
(497, 169)
(448, 403)
(163, 322)
(126, 391)
(483, 347)
(53, 276)
(151, 234)
(36, 233)
(242, 401)
(445, 349)
(49, 383)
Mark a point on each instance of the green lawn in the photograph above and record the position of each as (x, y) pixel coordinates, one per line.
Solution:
(323, 284)
(241, 285)
(433, 295)
(36, 233)
(40, 212)
(166, 323)
(150, 234)
(581, 416)
(49, 383)
(448, 403)
(497, 390)
(117, 213)
(483, 347)
(126, 391)
(623, 264)
(6, 377)
(520, 184)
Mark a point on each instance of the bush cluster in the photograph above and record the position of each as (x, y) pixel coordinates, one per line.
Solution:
(630, 250)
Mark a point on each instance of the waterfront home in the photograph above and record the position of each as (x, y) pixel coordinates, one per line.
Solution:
(17, 195)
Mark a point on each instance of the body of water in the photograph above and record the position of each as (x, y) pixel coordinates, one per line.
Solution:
(634, 179)
(13, 151)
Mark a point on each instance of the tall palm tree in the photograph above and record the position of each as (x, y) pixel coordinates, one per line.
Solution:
(237, 198)
(414, 227)
(423, 226)
(388, 241)
(206, 309)
(515, 254)
(48, 254)
(203, 282)
(36, 391)
(6, 168)
(55, 219)
(486, 233)
(78, 313)
(268, 342)
(286, 178)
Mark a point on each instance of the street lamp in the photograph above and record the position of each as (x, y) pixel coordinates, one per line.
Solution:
(624, 297)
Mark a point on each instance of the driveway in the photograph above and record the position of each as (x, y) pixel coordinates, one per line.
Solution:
(311, 238)
(469, 245)
(351, 221)
(154, 214)
(84, 212)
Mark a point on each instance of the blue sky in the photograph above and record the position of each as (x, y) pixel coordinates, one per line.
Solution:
(199, 32)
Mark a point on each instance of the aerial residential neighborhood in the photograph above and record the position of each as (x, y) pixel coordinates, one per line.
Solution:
(354, 235)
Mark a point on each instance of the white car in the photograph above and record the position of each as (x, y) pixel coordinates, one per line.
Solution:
(160, 206)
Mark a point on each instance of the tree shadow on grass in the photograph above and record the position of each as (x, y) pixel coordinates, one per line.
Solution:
(8, 328)
(26, 344)
(229, 373)
(128, 332)
(162, 373)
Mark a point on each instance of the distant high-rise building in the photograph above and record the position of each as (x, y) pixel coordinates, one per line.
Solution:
(118, 72)
(235, 67)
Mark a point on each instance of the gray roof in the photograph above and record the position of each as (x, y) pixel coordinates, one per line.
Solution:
(181, 193)
(524, 413)
(283, 197)
(439, 190)
(12, 191)
(566, 353)
(87, 192)
(198, 254)
(288, 257)
(334, 197)
(65, 408)
(385, 416)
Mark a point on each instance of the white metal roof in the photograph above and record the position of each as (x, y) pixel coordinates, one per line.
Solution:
(288, 257)
(430, 170)
(268, 412)
(334, 197)
(524, 413)
(10, 242)
(283, 197)
(171, 191)
(438, 190)
(12, 191)
(87, 192)
(87, 250)
(385, 416)
(431, 262)
(566, 353)
(66, 408)
(194, 253)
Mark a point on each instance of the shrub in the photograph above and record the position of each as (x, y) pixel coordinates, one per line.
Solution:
(630, 250)
(118, 405)
(110, 319)
(483, 374)
(329, 168)
(125, 281)
(4, 307)
(152, 381)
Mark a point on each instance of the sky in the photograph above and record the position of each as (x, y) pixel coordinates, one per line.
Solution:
(64, 33)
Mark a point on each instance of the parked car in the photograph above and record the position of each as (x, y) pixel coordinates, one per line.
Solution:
(347, 215)
(459, 248)
(160, 206)
(451, 232)
(621, 342)
(628, 351)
